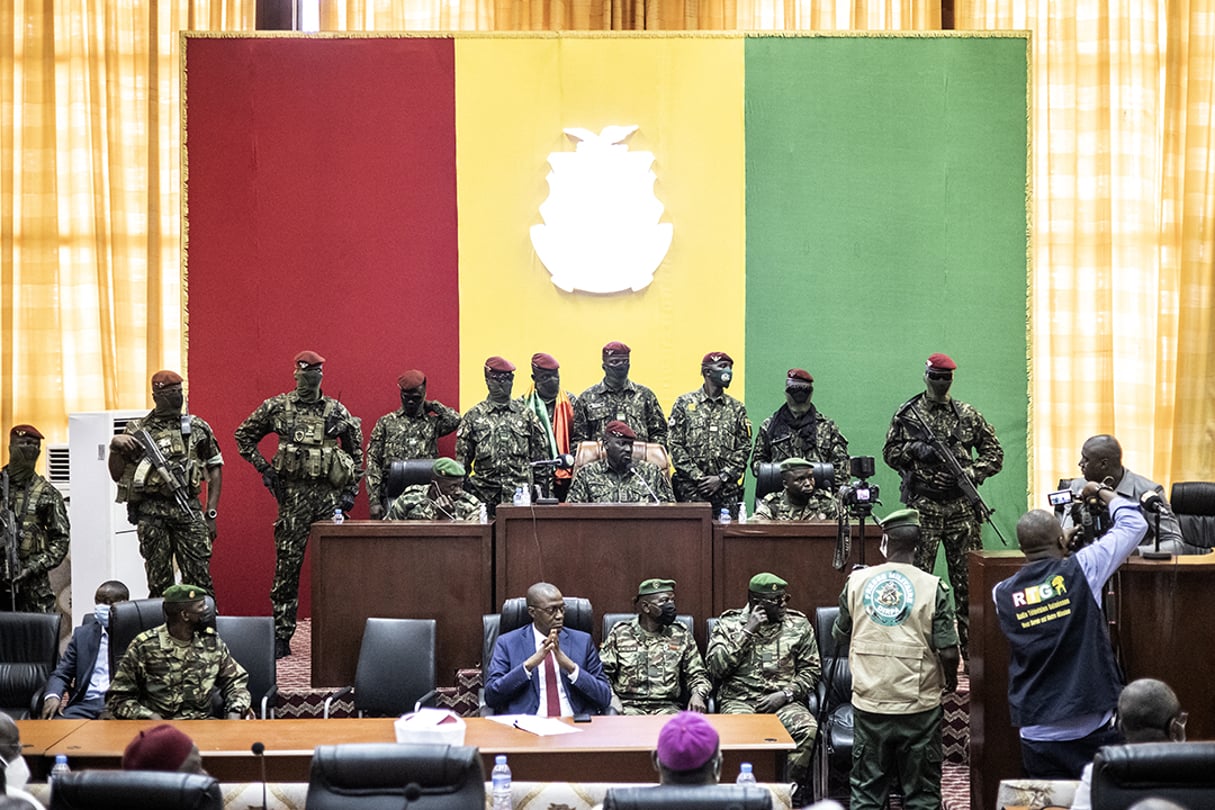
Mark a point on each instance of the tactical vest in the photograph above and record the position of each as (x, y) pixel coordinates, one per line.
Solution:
(305, 451)
(141, 480)
(28, 527)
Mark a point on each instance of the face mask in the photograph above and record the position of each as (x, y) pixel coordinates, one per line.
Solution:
(308, 383)
(17, 774)
(548, 388)
(102, 614)
(798, 395)
(23, 457)
(722, 377)
(617, 373)
(666, 616)
(170, 402)
(939, 388)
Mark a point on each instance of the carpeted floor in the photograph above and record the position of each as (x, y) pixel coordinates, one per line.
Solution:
(298, 699)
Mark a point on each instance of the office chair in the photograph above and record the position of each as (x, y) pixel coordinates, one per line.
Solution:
(1193, 503)
(250, 639)
(135, 790)
(688, 797)
(29, 652)
(396, 669)
(832, 705)
(392, 776)
(1181, 772)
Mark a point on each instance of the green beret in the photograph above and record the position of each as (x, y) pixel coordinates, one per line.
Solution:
(184, 593)
(794, 463)
(448, 468)
(901, 517)
(767, 583)
(651, 586)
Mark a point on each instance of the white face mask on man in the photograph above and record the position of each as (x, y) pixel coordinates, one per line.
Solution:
(17, 773)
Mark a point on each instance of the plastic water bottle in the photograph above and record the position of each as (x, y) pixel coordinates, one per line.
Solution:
(501, 783)
(518, 500)
(745, 777)
(338, 517)
(60, 767)
(483, 515)
(742, 512)
(724, 517)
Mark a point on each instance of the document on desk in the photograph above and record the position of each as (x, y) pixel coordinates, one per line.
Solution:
(540, 726)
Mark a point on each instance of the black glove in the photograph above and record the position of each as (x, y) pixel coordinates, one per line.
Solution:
(923, 451)
(271, 481)
(347, 502)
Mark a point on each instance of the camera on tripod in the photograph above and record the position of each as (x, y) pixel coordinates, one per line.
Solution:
(858, 496)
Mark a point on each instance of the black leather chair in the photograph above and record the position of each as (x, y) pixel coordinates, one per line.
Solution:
(136, 790)
(251, 642)
(1193, 503)
(1181, 772)
(578, 616)
(687, 797)
(392, 776)
(832, 705)
(396, 669)
(29, 652)
(129, 619)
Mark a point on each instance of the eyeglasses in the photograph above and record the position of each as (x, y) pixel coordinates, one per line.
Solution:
(940, 375)
(783, 599)
(551, 610)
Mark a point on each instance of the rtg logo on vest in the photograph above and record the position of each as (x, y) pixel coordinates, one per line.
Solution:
(1036, 594)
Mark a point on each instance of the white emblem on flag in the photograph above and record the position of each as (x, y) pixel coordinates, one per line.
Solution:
(601, 232)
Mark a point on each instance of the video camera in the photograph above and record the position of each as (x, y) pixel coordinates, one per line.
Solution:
(859, 495)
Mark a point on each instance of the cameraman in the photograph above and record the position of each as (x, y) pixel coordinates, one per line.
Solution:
(1063, 681)
(1101, 461)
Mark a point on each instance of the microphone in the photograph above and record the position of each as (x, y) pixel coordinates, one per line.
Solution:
(259, 751)
(1151, 501)
(644, 483)
(563, 461)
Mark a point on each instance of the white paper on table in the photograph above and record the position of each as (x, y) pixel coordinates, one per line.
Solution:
(540, 726)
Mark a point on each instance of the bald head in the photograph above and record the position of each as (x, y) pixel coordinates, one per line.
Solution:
(1039, 535)
(541, 591)
(10, 738)
(1103, 446)
(546, 606)
(1146, 711)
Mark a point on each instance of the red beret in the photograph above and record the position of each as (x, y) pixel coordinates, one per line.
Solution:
(307, 358)
(411, 379)
(942, 362)
(716, 357)
(618, 428)
(615, 347)
(686, 742)
(544, 360)
(25, 430)
(165, 378)
(160, 748)
(798, 374)
(497, 363)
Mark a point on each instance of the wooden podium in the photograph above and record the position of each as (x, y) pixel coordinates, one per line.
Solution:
(398, 570)
(603, 551)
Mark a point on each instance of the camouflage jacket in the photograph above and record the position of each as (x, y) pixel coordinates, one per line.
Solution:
(599, 483)
(779, 656)
(160, 675)
(963, 430)
(634, 404)
(709, 436)
(191, 453)
(316, 440)
(496, 443)
(661, 667)
(43, 530)
(777, 506)
(398, 436)
(776, 442)
(415, 503)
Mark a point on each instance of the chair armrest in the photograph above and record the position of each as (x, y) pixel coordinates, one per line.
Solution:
(341, 693)
(269, 702)
(426, 699)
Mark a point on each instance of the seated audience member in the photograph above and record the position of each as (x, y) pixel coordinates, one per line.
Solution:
(83, 673)
(1148, 711)
(162, 748)
(170, 671)
(617, 478)
(800, 499)
(688, 751)
(545, 668)
(443, 498)
(14, 771)
(652, 661)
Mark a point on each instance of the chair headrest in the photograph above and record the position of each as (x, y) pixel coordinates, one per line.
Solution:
(1193, 498)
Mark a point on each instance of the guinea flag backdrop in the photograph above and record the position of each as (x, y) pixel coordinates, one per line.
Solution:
(845, 204)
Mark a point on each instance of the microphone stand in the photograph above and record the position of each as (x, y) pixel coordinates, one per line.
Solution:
(1156, 554)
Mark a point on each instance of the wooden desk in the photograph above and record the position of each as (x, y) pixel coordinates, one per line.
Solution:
(398, 570)
(603, 551)
(1158, 625)
(797, 552)
(39, 735)
(608, 749)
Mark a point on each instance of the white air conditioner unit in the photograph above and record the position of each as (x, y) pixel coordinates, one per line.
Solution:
(59, 469)
(104, 543)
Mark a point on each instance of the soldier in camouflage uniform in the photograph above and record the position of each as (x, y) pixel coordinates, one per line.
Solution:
(498, 439)
(800, 499)
(166, 530)
(170, 671)
(443, 498)
(39, 525)
(554, 407)
(799, 429)
(710, 439)
(618, 478)
(765, 658)
(315, 470)
(652, 661)
(618, 398)
(413, 431)
(929, 486)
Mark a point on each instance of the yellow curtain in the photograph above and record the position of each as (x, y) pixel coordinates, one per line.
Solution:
(1124, 190)
(90, 196)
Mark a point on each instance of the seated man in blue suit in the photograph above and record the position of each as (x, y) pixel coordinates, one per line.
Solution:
(84, 669)
(544, 668)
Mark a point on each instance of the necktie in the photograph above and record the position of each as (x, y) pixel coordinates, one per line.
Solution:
(550, 686)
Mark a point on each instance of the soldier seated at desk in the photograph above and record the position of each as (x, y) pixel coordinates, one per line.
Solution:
(444, 498)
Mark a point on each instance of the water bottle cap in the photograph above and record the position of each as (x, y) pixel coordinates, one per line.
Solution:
(500, 759)
(60, 759)
(746, 767)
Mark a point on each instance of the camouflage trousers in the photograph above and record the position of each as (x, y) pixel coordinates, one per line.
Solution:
(952, 523)
(636, 707)
(727, 497)
(165, 534)
(301, 504)
(901, 748)
(798, 721)
(34, 595)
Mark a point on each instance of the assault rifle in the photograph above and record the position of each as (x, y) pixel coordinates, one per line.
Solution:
(964, 482)
(8, 535)
(168, 473)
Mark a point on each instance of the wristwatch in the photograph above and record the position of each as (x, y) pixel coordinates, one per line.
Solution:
(211, 514)
(788, 696)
